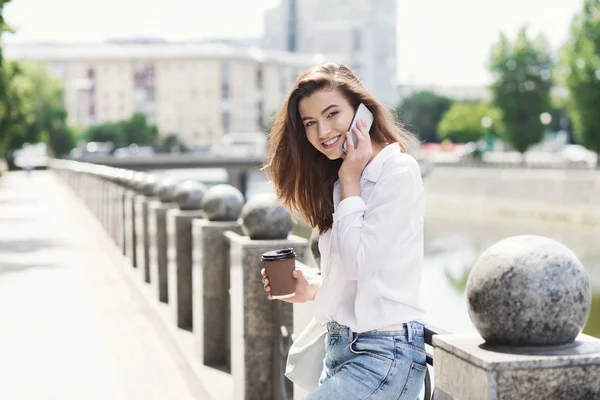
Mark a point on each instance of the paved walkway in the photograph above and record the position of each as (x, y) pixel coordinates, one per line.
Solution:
(70, 326)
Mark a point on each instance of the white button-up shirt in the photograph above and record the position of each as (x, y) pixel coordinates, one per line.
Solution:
(372, 257)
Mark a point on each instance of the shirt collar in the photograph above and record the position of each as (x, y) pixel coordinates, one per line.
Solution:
(372, 171)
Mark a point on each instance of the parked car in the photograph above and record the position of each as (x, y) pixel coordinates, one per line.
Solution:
(248, 144)
(133, 150)
(578, 156)
(92, 149)
(31, 156)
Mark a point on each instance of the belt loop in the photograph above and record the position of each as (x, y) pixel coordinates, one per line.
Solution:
(410, 333)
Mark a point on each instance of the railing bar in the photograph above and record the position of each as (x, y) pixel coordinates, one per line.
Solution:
(429, 359)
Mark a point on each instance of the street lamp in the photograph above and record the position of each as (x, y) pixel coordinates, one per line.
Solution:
(486, 124)
(545, 118)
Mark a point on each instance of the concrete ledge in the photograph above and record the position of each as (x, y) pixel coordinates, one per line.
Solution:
(467, 369)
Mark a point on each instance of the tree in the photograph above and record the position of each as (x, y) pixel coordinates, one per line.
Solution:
(463, 122)
(10, 117)
(422, 112)
(136, 130)
(14, 109)
(171, 144)
(123, 133)
(270, 123)
(581, 59)
(31, 105)
(107, 132)
(521, 89)
(47, 120)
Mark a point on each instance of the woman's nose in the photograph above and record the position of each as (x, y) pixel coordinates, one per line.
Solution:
(324, 129)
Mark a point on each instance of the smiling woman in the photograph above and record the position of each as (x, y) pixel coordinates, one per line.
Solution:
(314, 118)
(368, 206)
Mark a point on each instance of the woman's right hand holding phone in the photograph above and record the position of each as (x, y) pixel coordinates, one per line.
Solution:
(305, 290)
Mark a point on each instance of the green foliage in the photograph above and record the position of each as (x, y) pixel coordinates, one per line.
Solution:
(31, 109)
(123, 133)
(14, 109)
(580, 60)
(422, 112)
(521, 89)
(170, 143)
(136, 130)
(48, 119)
(107, 132)
(463, 122)
(270, 123)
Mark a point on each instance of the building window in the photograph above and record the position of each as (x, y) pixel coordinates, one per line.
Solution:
(143, 90)
(226, 120)
(260, 114)
(291, 26)
(225, 78)
(259, 77)
(91, 76)
(356, 40)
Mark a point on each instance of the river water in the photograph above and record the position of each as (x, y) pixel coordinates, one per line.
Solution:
(452, 246)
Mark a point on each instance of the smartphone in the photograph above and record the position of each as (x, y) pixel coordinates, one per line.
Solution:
(362, 112)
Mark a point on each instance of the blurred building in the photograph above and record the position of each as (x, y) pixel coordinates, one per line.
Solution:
(361, 34)
(198, 91)
(453, 92)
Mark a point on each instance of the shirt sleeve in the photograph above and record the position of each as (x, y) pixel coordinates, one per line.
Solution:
(365, 234)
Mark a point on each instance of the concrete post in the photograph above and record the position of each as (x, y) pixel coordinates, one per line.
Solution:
(119, 207)
(130, 236)
(127, 184)
(166, 195)
(116, 209)
(138, 222)
(148, 188)
(529, 298)
(222, 205)
(260, 329)
(179, 227)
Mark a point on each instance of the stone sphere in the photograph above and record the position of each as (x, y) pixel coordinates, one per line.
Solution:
(121, 174)
(114, 176)
(189, 194)
(149, 185)
(528, 290)
(223, 203)
(265, 218)
(166, 190)
(138, 180)
(313, 246)
(128, 179)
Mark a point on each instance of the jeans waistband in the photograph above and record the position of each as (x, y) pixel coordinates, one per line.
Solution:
(409, 330)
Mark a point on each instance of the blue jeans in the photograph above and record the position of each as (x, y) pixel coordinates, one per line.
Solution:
(372, 365)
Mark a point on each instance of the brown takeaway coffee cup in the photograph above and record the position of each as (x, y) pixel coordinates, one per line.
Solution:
(279, 265)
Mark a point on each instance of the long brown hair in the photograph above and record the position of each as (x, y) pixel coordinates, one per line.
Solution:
(302, 176)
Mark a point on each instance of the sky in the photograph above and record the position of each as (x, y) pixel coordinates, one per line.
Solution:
(443, 42)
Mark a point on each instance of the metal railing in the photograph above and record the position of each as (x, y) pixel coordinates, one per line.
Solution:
(430, 331)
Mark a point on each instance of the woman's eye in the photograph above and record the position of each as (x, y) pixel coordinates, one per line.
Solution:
(331, 114)
(309, 123)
